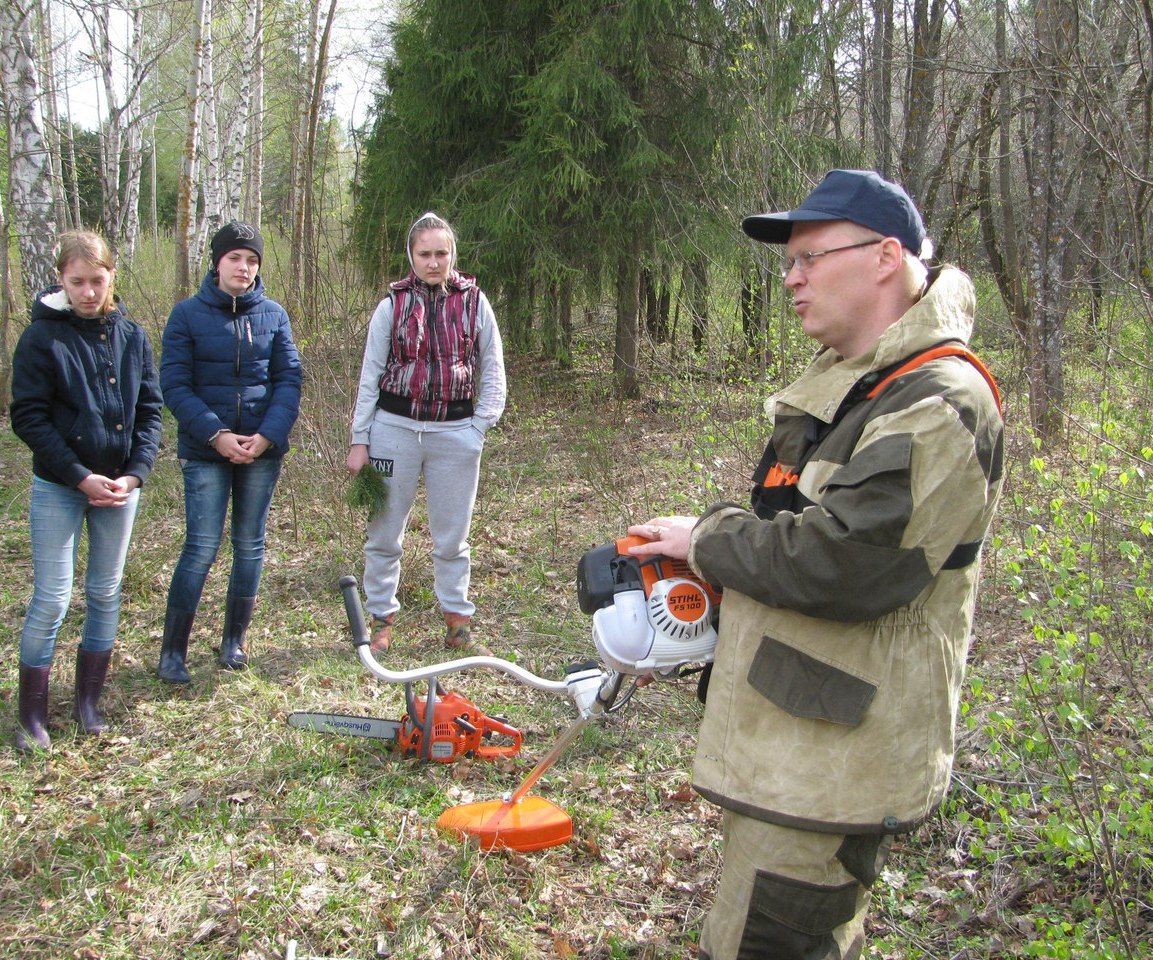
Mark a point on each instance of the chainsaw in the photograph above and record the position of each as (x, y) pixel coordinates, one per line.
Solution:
(456, 729)
(650, 616)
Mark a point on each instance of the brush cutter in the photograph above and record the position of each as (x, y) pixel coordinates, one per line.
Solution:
(650, 617)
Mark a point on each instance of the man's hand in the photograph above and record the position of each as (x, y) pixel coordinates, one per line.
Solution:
(668, 536)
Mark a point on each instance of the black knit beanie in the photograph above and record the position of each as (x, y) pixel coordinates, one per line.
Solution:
(236, 236)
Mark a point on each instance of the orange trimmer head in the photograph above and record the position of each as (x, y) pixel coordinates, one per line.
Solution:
(531, 823)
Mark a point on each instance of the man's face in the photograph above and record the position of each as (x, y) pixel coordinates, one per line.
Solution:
(833, 295)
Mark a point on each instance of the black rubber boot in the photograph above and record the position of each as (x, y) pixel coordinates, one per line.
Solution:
(237, 617)
(91, 671)
(32, 725)
(174, 647)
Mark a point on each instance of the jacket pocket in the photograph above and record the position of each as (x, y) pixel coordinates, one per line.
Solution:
(805, 687)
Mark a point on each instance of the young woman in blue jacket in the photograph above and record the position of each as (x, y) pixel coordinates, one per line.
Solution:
(86, 400)
(231, 376)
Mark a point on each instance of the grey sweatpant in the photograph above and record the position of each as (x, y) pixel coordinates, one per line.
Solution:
(448, 457)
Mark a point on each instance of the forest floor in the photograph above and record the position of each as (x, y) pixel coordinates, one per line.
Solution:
(203, 826)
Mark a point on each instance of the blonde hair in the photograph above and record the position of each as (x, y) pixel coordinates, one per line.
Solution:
(432, 221)
(93, 249)
(914, 271)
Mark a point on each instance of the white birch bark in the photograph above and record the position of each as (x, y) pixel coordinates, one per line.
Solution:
(254, 192)
(189, 172)
(29, 174)
(237, 143)
(301, 168)
(45, 63)
(133, 137)
(211, 181)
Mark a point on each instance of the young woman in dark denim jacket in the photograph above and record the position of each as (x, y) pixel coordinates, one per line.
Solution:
(86, 400)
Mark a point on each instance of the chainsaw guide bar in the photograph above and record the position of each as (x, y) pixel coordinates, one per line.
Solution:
(339, 723)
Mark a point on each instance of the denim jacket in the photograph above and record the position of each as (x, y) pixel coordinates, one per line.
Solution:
(85, 394)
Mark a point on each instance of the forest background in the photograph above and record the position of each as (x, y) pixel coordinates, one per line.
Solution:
(596, 159)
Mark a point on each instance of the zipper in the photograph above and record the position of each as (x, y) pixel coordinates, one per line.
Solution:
(239, 343)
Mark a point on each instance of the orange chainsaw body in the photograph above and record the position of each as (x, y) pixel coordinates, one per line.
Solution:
(458, 729)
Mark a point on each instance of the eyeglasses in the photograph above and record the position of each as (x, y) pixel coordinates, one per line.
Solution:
(804, 260)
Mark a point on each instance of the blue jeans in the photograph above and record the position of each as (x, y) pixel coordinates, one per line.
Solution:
(208, 487)
(57, 517)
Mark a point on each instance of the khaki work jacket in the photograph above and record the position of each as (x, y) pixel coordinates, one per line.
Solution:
(844, 627)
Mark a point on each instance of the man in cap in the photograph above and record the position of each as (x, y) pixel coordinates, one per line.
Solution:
(850, 583)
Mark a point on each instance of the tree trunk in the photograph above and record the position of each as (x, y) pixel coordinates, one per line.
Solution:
(881, 109)
(112, 129)
(212, 184)
(254, 192)
(306, 171)
(996, 203)
(1049, 229)
(628, 329)
(74, 186)
(8, 309)
(47, 67)
(133, 139)
(921, 112)
(301, 168)
(29, 175)
(695, 284)
(186, 189)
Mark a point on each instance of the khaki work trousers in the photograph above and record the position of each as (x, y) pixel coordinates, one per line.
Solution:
(788, 894)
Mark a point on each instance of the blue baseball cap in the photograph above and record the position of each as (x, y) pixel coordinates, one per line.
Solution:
(860, 196)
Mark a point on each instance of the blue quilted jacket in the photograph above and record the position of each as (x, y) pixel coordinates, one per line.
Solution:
(229, 363)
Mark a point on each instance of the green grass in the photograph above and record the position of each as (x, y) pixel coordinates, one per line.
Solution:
(202, 826)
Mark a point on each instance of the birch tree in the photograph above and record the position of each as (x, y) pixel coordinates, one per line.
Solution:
(254, 181)
(211, 161)
(303, 256)
(29, 171)
(7, 311)
(187, 251)
(121, 133)
(46, 66)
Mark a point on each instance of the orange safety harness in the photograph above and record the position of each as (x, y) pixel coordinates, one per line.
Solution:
(775, 488)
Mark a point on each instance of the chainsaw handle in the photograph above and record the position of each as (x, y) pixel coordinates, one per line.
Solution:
(490, 752)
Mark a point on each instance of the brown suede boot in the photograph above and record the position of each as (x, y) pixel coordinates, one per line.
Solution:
(381, 633)
(458, 636)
